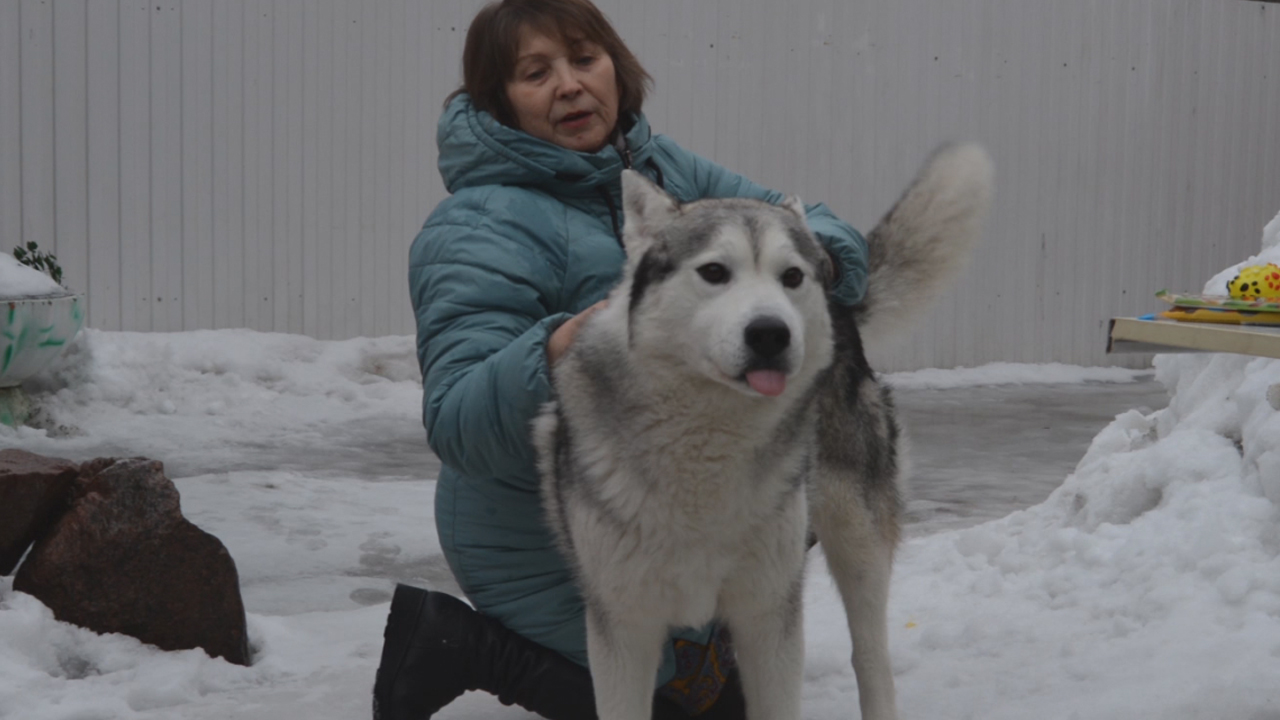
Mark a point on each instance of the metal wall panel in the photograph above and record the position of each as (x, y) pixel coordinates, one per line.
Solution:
(103, 171)
(266, 163)
(11, 192)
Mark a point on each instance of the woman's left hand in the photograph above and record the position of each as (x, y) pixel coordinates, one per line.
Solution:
(562, 338)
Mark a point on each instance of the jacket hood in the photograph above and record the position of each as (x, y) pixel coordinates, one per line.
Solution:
(475, 149)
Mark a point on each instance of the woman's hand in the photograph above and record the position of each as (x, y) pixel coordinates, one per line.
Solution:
(563, 336)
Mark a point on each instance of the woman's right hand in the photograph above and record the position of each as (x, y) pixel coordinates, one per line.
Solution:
(562, 338)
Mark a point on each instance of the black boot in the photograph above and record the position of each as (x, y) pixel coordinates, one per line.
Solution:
(731, 705)
(436, 647)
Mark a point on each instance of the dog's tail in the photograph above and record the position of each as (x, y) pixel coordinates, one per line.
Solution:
(919, 247)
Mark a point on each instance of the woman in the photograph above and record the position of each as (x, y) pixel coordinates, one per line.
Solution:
(501, 276)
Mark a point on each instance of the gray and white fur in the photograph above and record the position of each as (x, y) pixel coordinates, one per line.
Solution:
(718, 410)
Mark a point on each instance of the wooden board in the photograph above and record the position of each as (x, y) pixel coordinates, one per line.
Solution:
(1159, 336)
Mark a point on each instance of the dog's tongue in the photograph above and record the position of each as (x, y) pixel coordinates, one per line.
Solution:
(767, 382)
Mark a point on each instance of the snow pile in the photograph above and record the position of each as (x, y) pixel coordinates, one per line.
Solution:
(19, 281)
(1147, 585)
(1271, 233)
(1217, 285)
(189, 397)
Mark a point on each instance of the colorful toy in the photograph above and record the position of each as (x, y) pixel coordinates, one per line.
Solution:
(1256, 281)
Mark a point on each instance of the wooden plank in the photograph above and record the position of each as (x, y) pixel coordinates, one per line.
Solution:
(1138, 335)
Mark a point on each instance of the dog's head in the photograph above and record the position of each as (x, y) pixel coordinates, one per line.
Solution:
(733, 290)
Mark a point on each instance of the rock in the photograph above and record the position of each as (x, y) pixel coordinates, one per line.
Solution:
(122, 558)
(33, 491)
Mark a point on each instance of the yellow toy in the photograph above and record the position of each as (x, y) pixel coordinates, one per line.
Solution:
(1256, 281)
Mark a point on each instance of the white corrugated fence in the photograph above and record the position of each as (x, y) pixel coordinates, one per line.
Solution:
(266, 163)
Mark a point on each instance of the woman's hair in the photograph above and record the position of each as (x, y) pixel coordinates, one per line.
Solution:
(493, 43)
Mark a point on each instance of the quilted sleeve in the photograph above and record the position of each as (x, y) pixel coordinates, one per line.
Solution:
(483, 293)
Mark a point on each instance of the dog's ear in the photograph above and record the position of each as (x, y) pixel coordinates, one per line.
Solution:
(647, 207)
(793, 204)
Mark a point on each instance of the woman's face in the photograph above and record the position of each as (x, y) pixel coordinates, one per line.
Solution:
(564, 94)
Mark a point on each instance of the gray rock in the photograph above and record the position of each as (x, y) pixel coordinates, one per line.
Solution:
(122, 558)
(33, 493)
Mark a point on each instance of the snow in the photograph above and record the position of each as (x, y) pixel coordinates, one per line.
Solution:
(19, 281)
(1146, 586)
(1271, 233)
(1217, 285)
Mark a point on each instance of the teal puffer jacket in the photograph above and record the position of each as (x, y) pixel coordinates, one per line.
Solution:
(529, 237)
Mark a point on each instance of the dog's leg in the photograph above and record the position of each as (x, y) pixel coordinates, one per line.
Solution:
(624, 656)
(764, 607)
(769, 646)
(859, 551)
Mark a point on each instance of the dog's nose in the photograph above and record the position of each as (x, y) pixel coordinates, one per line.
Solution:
(768, 336)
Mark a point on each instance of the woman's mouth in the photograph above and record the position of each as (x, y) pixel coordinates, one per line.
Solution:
(575, 120)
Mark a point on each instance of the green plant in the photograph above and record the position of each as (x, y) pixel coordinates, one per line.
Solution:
(31, 256)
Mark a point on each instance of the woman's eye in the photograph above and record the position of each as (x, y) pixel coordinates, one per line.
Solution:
(535, 74)
(792, 277)
(714, 273)
(586, 60)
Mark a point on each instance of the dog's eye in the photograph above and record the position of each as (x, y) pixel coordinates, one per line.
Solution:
(714, 273)
(792, 277)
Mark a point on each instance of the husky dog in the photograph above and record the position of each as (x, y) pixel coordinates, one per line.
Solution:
(717, 410)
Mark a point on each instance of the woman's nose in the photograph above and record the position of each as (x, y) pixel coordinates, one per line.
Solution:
(567, 82)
